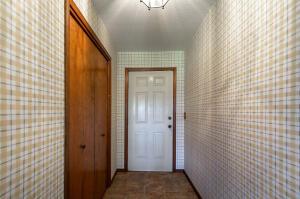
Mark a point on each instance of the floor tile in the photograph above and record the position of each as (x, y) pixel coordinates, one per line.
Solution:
(150, 185)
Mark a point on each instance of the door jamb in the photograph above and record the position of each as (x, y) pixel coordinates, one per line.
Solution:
(71, 10)
(127, 70)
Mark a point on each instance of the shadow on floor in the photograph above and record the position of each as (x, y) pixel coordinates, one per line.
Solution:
(150, 185)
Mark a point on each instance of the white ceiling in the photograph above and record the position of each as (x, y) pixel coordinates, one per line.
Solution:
(133, 28)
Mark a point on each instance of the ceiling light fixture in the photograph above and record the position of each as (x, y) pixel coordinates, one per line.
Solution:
(155, 3)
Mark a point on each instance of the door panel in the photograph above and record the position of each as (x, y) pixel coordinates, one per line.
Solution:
(158, 145)
(141, 107)
(159, 81)
(158, 106)
(101, 122)
(88, 114)
(75, 117)
(142, 82)
(150, 103)
(141, 145)
(81, 127)
(88, 105)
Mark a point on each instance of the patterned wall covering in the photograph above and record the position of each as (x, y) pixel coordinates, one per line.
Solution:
(32, 96)
(242, 98)
(31, 99)
(89, 11)
(150, 59)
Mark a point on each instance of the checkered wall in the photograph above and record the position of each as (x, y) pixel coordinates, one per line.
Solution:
(150, 59)
(242, 98)
(32, 96)
(31, 99)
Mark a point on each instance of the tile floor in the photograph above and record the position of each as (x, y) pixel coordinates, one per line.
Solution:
(147, 185)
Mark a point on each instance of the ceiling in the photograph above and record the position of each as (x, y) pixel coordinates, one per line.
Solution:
(133, 28)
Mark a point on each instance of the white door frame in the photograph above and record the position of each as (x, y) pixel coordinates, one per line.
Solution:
(127, 70)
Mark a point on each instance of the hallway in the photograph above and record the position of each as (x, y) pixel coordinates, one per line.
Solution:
(150, 99)
(150, 185)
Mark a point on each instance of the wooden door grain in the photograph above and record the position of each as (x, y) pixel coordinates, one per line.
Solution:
(76, 127)
(101, 121)
(88, 101)
(81, 111)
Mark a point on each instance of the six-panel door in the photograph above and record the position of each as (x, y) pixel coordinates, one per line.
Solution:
(150, 111)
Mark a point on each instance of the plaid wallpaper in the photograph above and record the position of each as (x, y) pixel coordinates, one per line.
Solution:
(150, 59)
(242, 98)
(31, 99)
(32, 96)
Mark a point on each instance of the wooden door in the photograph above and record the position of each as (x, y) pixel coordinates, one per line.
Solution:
(88, 113)
(81, 114)
(101, 73)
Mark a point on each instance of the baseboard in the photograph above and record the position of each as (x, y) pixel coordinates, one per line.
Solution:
(178, 171)
(125, 170)
(175, 170)
(121, 170)
(114, 176)
(196, 191)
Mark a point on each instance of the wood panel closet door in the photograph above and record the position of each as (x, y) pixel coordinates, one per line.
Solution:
(101, 122)
(81, 146)
(88, 113)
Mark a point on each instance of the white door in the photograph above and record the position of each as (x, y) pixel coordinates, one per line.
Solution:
(150, 120)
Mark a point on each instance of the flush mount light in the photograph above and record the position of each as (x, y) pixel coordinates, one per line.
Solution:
(155, 3)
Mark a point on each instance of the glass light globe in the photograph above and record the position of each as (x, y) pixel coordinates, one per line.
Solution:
(155, 3)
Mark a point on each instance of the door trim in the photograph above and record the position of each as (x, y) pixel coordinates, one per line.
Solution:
(127, 70)
(71, 10)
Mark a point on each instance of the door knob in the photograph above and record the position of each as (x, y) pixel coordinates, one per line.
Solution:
(82, 146)
(169, 126)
